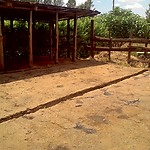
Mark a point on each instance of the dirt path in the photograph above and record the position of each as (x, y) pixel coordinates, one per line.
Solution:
(113, 117)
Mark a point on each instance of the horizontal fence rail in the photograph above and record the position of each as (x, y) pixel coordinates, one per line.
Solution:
(130, 48)
(115, 44)
(132, 40)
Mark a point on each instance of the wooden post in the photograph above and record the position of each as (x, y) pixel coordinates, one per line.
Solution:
(13, 46)
(145, 53)
(74, 39)
(129, 52)
(1, 48)
(30, 41)
(110, 48)
(57, 39)
(68, 38)
(3, 32)
(11, 25)
(2, 25)
(92, 38)
(51, 41)
(149, 65)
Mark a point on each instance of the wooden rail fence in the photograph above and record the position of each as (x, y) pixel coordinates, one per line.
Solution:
(130, 48)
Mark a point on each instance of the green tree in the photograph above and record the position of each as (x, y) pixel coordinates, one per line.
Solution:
(71, 3)
(87, 5)
(148, 14)
(58, 2)
(123, 23)
(49, 2)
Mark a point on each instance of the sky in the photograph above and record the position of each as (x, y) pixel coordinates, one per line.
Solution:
(137, 6)
(104, 6)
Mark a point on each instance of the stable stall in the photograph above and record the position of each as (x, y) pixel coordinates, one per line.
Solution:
(32, 13)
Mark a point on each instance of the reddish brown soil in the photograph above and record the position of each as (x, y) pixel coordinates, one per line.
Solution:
(114, 117)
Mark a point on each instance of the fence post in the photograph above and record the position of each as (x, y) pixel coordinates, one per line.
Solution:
(129, 52)
(145, 53)
(92, 38)
(110, 48)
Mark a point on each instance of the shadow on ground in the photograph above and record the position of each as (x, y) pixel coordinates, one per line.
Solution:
(7, 77)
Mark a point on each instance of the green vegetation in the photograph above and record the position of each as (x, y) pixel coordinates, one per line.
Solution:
(148, 14)
(119, 23)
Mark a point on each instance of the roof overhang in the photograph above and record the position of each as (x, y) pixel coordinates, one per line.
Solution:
(41, 12)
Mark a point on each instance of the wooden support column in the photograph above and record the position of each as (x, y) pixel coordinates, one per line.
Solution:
(2, 26)
(74, 39)
(3, 33)
(30, 41)
(51, 38)
(57, 39)
(11, 25)
(1, 48)
(13, 45)
(68, 38)
(92, 38)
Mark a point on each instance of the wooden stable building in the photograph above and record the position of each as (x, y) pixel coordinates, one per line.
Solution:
(35, 12)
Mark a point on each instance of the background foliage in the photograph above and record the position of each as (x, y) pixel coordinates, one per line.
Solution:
(119, 23)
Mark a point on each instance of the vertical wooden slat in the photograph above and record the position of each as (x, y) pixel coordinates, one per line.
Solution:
(51, 34)
(68, 38)
(30, 41)
(57, 38)
(1, 48)
(74, 39)
(92, 38)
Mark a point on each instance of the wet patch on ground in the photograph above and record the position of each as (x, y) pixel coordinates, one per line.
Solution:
(87, 130)
(98, 119)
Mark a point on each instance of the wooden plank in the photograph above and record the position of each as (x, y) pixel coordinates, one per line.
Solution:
(30, 41)
(74, 39)
(140, 48)
(101, 39)
(57, 38)
(125, 49)
(92, 38)
(108, 49)
(51, 38)
(133, 40)
(68, 38)
(1, 48)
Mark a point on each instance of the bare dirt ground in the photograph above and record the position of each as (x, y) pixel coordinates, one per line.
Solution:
(90, 117)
